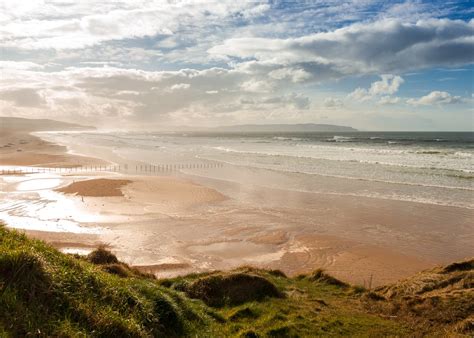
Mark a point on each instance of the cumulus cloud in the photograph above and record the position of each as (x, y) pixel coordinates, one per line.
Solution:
(360, 94)
(180, 86)
(435, 98)
(293, 74)
(256, 86)
(388, 85)
(330, 102)
(387, 100)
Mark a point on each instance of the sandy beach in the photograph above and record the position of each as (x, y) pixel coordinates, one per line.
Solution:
(173, 224)
(18, 147)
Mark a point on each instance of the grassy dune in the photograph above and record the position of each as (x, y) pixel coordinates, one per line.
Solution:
(46, 293)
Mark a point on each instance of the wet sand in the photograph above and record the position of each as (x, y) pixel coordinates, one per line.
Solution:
(172, 225)
(20, 148)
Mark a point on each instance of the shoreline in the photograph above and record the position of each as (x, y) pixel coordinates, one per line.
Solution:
(177, 224)
(22, 148)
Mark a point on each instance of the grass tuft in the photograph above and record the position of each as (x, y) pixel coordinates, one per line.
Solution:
(322, 277)
(102, 256)
(244, 313)
(232, 289)
(282, 331)
(117, 269)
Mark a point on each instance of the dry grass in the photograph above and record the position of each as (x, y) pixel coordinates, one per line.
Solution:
(441, 298)
(320, 276)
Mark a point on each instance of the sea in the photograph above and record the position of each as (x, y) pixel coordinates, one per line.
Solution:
(424, 167)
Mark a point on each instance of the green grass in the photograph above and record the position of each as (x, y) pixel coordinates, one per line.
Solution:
(44, 292)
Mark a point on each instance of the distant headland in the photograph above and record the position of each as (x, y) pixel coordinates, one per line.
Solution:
(283, 128)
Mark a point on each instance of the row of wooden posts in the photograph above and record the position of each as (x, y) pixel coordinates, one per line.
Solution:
(139, 168)
(172, 167)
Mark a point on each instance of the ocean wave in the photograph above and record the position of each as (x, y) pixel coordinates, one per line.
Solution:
(282, 138)
(287, 170)
(433, 152)
(398, 197)
(377, 150)
(339, 138)
(463, 154)
(363, 161)
(230, 150)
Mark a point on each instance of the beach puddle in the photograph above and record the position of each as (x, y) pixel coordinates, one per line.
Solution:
(33, 206)
(33, 223)
(35, 184)
(76, 251)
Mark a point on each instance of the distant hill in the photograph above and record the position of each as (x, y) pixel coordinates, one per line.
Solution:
(21, 124)
(283, 128)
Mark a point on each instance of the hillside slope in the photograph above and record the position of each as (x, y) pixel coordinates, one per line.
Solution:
(45, 292)
(22, 124)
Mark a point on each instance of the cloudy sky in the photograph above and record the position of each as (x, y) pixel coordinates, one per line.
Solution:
(373, 65)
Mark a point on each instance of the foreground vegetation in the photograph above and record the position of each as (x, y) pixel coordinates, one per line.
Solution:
(46, 293)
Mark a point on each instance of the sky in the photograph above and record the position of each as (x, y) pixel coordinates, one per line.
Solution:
(145, 64)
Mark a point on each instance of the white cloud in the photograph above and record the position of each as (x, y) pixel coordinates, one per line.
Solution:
(360, 94)
(255, 11)
(128, 92)
(387, 100)
(435, 98)
(257, 86)
(180, 86)
(21, 65)
(388, 85)
(333, 102)
(295, 75)
(73, 25)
